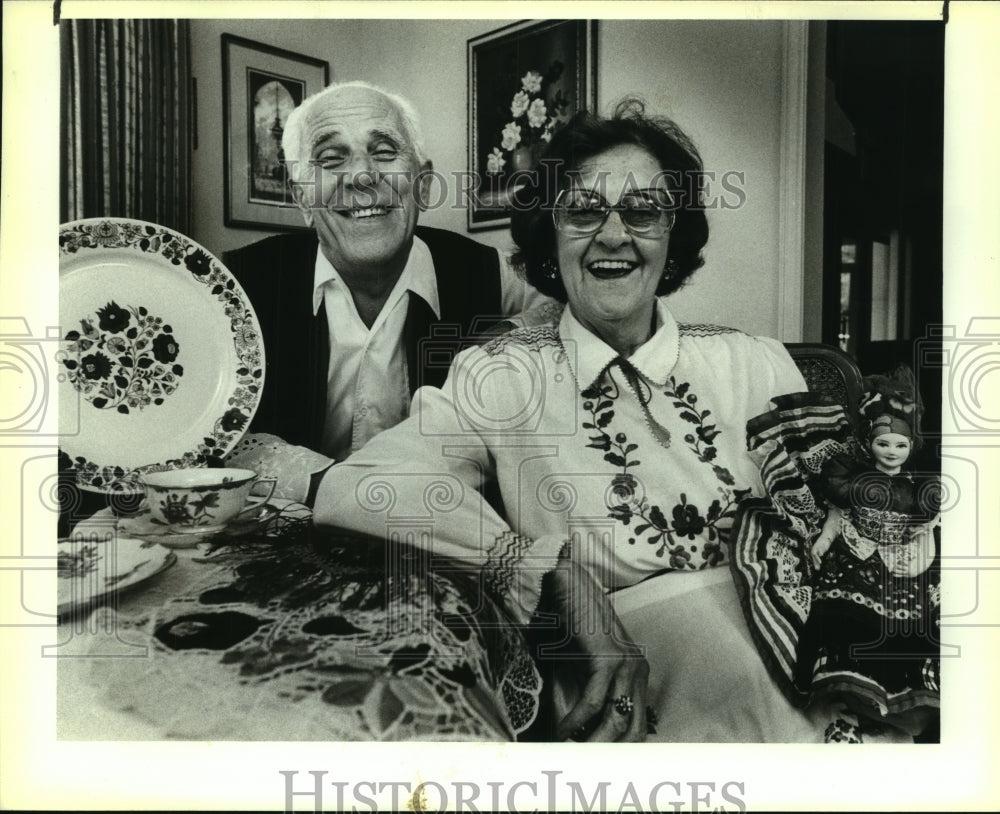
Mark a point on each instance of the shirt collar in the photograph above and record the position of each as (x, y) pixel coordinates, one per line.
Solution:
(418, 276)
(588, 355)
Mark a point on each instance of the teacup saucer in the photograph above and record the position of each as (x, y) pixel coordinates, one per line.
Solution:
(141, 525)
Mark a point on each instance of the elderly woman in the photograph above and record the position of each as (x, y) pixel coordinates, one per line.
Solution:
(617, 439)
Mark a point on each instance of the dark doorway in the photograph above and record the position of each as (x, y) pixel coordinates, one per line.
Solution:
(882, 265)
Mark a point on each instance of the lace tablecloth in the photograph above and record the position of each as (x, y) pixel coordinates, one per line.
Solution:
(298, 634)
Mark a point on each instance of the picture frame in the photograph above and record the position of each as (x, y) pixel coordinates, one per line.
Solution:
(261, 84)
(517, 75)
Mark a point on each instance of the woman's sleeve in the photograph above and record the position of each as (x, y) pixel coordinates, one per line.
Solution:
(778, 375)
(420, 481)
(525, 305)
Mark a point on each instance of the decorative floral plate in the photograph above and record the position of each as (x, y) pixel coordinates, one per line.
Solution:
(92, 566)
(162, 362)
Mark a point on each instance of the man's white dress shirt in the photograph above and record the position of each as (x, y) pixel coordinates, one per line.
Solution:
(368, 387)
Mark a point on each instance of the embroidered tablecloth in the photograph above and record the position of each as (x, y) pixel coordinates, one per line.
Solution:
(301, 634)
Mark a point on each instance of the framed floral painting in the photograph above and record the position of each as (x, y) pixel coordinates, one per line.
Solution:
(261, 85)
(525, 81)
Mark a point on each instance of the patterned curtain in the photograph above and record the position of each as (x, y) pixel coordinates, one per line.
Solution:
(125, 120)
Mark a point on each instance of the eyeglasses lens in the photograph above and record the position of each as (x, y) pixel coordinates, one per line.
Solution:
(646, 213)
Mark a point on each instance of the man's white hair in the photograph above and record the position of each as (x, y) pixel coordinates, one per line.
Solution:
(297, 154)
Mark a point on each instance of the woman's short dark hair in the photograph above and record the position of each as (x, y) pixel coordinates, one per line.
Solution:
(581, 138)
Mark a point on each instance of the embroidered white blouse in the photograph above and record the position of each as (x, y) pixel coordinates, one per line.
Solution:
(641, 463)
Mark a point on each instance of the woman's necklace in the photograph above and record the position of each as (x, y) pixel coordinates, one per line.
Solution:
(643, 392)
(644, 395)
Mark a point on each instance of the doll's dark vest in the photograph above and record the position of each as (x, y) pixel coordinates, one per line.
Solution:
(277, 275)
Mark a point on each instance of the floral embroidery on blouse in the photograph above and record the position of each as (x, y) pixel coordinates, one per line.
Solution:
(626, 501)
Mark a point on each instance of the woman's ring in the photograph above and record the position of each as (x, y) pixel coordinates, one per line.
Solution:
(624, 705)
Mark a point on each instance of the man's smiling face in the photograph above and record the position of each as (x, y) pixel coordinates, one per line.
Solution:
(363, 204)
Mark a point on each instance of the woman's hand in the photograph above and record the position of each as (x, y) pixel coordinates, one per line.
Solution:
(614, 664)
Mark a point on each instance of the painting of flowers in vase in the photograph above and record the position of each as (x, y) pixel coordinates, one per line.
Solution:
(525, 81)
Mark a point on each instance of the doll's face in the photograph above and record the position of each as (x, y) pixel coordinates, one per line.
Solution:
(890, 450)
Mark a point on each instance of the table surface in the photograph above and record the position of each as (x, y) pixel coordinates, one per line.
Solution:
(299, 634)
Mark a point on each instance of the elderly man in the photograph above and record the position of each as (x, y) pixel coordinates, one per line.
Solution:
(344, 308)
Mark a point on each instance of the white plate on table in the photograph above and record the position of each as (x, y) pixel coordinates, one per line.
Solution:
(162, 363)
(92, 567)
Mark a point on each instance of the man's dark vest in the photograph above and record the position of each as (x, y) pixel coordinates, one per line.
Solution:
(277, 275)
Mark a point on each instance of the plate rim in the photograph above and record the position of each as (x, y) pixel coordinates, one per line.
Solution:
(116, 479)
(68, 608)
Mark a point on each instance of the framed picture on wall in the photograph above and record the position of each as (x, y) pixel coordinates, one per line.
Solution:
(261, 85)
(525, 81)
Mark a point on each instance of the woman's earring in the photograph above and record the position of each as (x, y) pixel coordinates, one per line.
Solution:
(549, 269)
(670, 269)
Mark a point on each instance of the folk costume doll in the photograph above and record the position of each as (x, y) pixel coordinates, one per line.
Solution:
(838, 569)
(874, 611)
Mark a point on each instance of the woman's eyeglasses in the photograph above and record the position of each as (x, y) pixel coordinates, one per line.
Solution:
(643, 212)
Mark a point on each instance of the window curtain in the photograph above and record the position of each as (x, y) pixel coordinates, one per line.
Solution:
(125, 120)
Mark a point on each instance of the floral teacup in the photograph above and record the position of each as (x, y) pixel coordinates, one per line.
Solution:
(202, 501)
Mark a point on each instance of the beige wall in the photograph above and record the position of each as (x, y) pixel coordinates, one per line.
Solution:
(721, 80)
